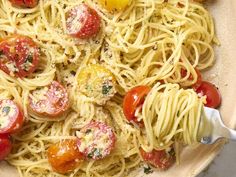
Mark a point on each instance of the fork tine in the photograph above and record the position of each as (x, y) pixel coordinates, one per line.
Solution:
(212, 128)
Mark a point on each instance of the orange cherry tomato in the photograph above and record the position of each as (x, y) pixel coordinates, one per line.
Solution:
(83, 22)
(96, 140)
(159, 159)
(133, 99)
(5, 146)
(24, 3)
(213, 97)
(19, 56)
(11, 117)
(50, 101)
(64, 156)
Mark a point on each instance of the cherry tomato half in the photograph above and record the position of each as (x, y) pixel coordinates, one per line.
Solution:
(11, 117)
(97, 82)
(213, 97)
(64, 156)
(199, 77)
(133, 99)
(83, 22)
(19, 56)
(24, 3)
(50, 101)
(96, 140)
(5, 146)
(159, 159)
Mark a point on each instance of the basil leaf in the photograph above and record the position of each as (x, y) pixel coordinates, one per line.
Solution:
(95, 152)
(88, 131)
(6, 110)
(29, 58)
(178, 113)
(73, 73)
(106, 89)
(147, 170)
(91, 154)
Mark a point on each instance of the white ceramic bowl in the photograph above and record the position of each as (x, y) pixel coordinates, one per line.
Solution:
(223, 74)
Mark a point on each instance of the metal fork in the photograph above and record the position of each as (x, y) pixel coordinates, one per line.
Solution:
(212, 127)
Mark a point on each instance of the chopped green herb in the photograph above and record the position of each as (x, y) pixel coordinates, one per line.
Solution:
(29, 58)
(178, 114)
(90, 155)
(147, 170)
(95, 152)
(89, 88)
(172, 152)
(73, 72)
(88, 131)
(6, 110)
(1, 52)
(106, 88)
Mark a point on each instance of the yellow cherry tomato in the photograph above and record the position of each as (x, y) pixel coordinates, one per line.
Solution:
(114, 5)
(96, 82)
(199, 0)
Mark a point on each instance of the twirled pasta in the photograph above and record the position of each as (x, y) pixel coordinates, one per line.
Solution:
(170, 114)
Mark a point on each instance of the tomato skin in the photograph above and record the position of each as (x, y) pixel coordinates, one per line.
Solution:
(114, 5)
(96, 140)
(213, 97)
(19, 56)
(61, 102)
(55, 103)
(83, 22)
(159, 159)
(199, 77)
(5, 146)
(24, 3)
(133, 99)
(64, 156)
(12, 113)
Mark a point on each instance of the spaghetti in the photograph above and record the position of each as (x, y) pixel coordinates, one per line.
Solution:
(170, 114)
(150, 41)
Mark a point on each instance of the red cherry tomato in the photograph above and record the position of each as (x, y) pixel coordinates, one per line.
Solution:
(5, 146)
(19, 56)
(11, 117)
(133, 99)
(83, 22)
(159, 159)
(64, 156)
(96, 140)
(50, 101)
(199, 77)
(212, 94)
(24, 3)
